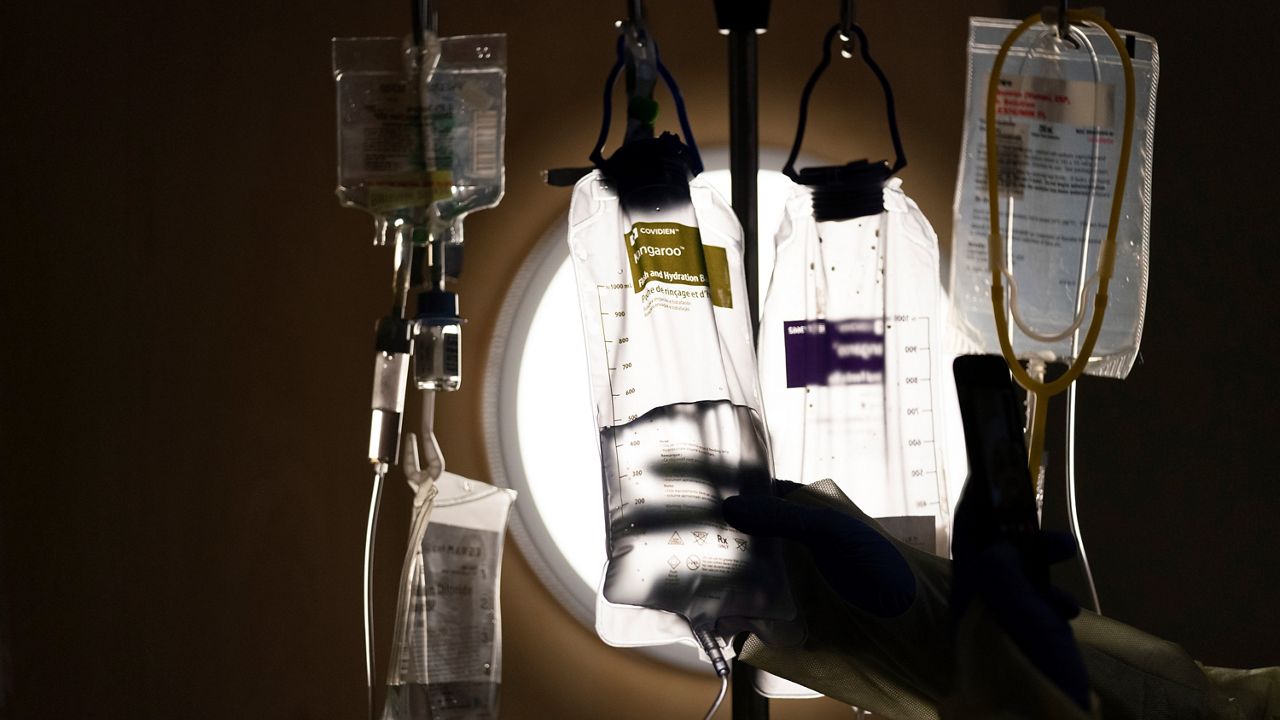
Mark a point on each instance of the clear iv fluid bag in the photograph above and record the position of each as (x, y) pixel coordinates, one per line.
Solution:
(669, 351)
(852, 364)
(394, 157)
(1060, 119)
(446, 662)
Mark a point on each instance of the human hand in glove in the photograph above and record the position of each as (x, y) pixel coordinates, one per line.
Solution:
(859, 563)
(1013, 585)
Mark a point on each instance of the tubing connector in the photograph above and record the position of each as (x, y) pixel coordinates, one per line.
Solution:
(711, 647)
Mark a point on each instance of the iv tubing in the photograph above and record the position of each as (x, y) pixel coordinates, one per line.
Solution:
(1072, 514)
(370, 532)
(1106, 258)
(724, 687)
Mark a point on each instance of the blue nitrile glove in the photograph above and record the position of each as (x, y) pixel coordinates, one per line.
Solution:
(1034, 618)
(859, 563)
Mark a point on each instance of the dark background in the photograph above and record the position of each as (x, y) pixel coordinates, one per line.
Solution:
(186, 319)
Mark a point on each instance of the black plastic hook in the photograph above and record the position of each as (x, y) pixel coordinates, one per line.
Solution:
(855, 32)
(1064, 31)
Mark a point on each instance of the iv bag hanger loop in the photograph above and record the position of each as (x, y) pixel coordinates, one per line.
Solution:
(849, 31)
(638, 53)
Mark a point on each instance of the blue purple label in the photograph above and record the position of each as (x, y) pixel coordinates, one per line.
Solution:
(834, 352)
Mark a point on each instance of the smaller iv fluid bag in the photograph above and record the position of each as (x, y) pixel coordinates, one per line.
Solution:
(394, 156)
(446, 661)
(1060, 121)
(673, 378)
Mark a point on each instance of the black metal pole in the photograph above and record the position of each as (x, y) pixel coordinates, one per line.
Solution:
(743, 21)
(744, 155)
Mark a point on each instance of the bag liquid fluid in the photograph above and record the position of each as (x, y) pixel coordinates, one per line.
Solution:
(1060, 117)
(421, 127)
(673, 379)
(853, 370)
(446, 661)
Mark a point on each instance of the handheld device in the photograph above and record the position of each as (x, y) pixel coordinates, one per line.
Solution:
(999, 484)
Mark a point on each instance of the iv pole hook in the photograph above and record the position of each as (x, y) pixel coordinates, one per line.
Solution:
(848, 16)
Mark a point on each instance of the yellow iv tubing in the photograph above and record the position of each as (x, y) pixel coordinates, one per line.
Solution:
(1106, 259)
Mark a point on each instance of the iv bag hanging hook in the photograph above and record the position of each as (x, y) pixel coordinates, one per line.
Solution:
(855, 32)
(641, 62)
(848, 18)
(636, 45)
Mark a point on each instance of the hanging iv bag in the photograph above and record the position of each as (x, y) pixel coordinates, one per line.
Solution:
(852, 364)
(658, 263)
(1060, 117)
(446, 658)
(421, 128)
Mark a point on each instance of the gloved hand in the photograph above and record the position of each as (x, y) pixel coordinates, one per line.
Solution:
(859, 563)
(1033, 615)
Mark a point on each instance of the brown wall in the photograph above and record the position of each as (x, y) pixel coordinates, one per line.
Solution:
(187, 316)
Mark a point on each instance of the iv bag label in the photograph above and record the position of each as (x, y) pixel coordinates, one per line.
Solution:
(390, 197)
(834, 352)
(669, 253)
(1070, 102)
(459, 602)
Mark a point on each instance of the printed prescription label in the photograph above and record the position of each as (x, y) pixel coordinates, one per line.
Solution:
(1070, 102)
(671, 253)
(834, 352)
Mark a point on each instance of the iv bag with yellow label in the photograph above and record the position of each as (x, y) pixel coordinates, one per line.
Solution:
(658, 262)
(420, 126)
(1060, 117)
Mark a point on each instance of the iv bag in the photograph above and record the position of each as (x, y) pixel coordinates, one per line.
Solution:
(669, 351)
(852, 367)
(446, 660)
(1060, 117)
(853, 370)
(392, 156)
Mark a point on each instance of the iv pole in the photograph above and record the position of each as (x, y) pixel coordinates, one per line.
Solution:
(743, 21)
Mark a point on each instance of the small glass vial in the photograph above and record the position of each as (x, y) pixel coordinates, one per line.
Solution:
(437, 347)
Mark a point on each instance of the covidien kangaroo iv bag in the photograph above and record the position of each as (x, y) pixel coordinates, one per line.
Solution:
(852, 365)
(446, 660)
(1059, 118)
(658, 261)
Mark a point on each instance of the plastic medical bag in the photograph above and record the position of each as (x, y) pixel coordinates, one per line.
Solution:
(446, 660)
(853, 370)
(1060, 123)
(420, 127)
(852, 365)
(676, 400)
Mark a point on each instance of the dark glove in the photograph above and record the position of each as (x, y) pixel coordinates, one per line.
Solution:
(1033, 615)
(859, 563)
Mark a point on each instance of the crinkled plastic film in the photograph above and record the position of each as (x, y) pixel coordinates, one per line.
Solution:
(1060, 116)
